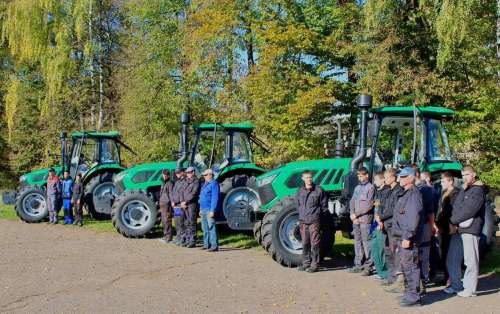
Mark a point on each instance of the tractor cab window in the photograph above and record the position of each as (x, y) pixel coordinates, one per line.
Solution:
(109, 152)
(242, 151)
(395, 144)
(209, 150)
(437, 142)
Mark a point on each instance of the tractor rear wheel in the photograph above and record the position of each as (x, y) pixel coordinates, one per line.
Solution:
(240, 201)
(31, 204)
(134, 214)
(99, 195)
(281, 234)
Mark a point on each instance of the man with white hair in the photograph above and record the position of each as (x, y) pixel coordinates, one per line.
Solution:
(406, 224)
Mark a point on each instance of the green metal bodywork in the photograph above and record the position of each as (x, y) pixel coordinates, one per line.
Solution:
(38, 177)
(94, 134)
(100, 168)
(278, 188)
(243, 126)
(150, 175)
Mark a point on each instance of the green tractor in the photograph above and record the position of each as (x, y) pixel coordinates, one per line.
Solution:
(226, 148)
(388, 137)
(96, 155)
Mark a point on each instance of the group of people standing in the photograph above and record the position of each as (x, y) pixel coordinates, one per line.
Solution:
(181, 200)
(405, 229)
(68, 193)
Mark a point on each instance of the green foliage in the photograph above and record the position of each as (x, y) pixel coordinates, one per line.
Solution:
(136, 65)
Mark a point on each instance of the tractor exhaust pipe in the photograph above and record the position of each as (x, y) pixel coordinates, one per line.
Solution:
(64, 158)
(364, 104)
(185, 119)
(339, 144)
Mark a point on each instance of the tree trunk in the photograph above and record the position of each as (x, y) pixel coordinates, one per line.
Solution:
(92, 80)
(498, 40)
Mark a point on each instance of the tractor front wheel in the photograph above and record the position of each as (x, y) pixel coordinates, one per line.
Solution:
(134, 214)
(31, 204)
(280, 232)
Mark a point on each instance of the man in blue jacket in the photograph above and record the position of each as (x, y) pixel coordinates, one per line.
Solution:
(209, 198)
(67, 192)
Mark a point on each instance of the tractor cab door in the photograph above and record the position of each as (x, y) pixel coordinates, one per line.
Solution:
(240, 147)
(75, 156)
(399, 142)
(88, 155)
(109, 151)
(209, 150)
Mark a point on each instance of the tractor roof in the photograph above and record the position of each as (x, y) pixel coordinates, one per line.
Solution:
(432, 112)
(242, 126)
(95, 134)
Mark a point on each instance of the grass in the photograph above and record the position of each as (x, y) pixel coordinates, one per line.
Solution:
(244, 240)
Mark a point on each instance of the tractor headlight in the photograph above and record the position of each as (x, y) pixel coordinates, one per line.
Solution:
(22, 179)
(267, 180)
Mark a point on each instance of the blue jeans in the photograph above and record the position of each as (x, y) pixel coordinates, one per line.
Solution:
(209, 231)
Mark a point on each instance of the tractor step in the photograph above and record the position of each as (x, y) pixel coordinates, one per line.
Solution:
(9, 197)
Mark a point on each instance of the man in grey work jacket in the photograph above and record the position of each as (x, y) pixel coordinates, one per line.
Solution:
(406, 227)
(361, 209)
(189, 202)
(311, 203)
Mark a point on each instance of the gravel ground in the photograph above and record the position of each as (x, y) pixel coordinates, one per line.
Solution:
(67, 269)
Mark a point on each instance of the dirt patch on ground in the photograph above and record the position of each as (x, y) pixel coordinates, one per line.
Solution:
(47, 268)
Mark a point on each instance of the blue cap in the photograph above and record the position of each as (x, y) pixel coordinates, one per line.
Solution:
(407, 171)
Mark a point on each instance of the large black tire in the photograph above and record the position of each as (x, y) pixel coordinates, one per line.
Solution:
(281, 234)
(257, 231)
(99, 206)
(31, 204)
(134, 214)
(240, 200)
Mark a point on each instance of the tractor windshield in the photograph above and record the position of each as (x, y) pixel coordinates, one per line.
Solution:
(437, 142)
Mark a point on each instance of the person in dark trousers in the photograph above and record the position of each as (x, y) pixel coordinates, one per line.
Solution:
(394, 277)
(445, 208)
(469, 216)
(406, 226)
(176, 198)
(189, 204)
(76, 200)
(434, 250)
(165, 202)
(67, 191)
(377, 236)
(311, 202)
(361, 209)
(427, 226)
(209, 199)
(53, 195)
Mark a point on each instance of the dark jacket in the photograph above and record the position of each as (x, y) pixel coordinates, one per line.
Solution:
(445, 209)
(380, 197)
(166, 193)
(407, 213)
(191, 191)
(311, 204)
(427, 200)
(470, 203)
(389, 204)
(177, 191)
(361, 203)
(77, 191)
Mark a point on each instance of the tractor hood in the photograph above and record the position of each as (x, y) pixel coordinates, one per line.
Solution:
(37, 177)
(142, 176)
(285, 180)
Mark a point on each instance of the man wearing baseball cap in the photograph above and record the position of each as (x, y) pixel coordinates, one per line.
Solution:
(209, 199)
(189, 203)
(406, 225)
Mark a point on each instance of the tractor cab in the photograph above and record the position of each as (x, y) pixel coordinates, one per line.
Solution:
(401, 136)
(217, 146)
(90, 149)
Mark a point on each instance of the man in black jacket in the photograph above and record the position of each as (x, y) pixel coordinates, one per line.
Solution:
(176, 198)
(311, 202)
(166, 206)
(385, 216)
(469, 217)
(189, 203)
